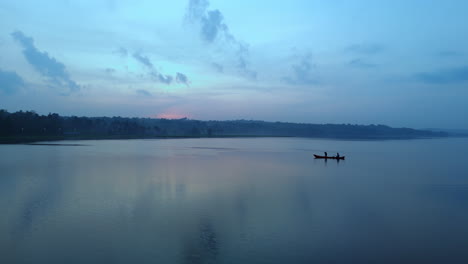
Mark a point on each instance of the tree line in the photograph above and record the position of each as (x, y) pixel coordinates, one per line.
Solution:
(24, 124)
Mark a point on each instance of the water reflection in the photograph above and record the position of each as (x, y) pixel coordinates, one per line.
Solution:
(42, 194)
(262, 201)
(204, 248)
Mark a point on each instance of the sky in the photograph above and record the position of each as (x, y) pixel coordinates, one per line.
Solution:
(395, 62)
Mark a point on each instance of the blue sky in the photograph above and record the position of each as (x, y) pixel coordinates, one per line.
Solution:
(401, 63)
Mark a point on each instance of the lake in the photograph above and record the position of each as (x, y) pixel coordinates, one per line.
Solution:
(235, 200)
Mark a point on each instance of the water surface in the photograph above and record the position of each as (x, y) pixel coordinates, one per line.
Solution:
(257, 200)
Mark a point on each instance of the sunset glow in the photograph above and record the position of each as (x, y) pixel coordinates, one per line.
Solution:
(171, 116)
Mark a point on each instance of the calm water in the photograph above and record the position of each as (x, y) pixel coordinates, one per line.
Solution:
(259, 200)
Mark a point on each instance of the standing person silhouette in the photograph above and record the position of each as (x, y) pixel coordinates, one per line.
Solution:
(337, 155)
(326, 154)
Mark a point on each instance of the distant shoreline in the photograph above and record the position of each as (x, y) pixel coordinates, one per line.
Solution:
(28, 127)
(37, 139)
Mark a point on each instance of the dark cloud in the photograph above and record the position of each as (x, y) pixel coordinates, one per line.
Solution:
(10, 82)
(252, 75)
(302, 72)
(143, 93)
(181, 78)
(218, 67)
(365, 49)
(53, 70)
(242, 55)
(143, 59)
(359, 63)
(123, 52)
(109, 70)
(155, 75)
(444, 76)
(211, 21)
(167, 79)
(213, 27)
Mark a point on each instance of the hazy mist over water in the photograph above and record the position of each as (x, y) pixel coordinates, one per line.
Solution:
(257, 200)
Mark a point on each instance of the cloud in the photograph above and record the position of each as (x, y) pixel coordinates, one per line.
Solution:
(167, 79)
(158, 77)
(196, 9)
(242, 55)
(53, 70)
(302, 72)
(143, 93)
(213, 27)
(211, 21)
(10, 82)
(443, 76)
(365, 49)
(109, 70)
(181, 78)
(218, 67)
(359, 63)
(123, 52)
(143, 60)
(155, 75)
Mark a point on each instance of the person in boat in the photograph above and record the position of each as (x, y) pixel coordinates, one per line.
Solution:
(337, 155)
(326, 154)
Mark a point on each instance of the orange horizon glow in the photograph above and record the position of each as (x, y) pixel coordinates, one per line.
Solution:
(171, 116)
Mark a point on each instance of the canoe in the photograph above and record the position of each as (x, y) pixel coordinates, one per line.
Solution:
(329, 157)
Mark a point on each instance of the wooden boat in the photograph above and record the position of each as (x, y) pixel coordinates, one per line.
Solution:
(329, 157)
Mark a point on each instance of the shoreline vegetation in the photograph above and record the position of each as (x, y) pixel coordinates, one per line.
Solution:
(29, 127)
